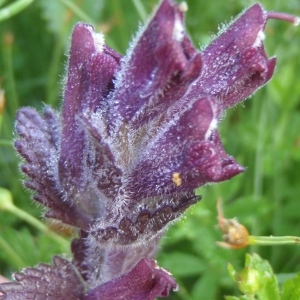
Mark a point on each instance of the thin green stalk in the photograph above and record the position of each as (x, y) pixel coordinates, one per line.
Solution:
(6, 204)
(39, 225)
(6, 143)
(10, 84)
(77, 11)
(273, 240)
(257, 187)
(2, 2)
(258, 155)
(281, 126)
(140, 9)
(54, 70)
(14, 8)
(12, 254)
(118, 11)
(1, 121)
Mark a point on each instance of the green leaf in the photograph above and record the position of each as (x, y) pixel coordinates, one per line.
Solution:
(2, 2)
(291, 289)
(237, 298)
(182, 264)
(26, 249)
(283, 277)
(270, 290)
(58, 15)
(257, 278)
(205, 286)
(232, 272)
(54, 12)
(13, 9)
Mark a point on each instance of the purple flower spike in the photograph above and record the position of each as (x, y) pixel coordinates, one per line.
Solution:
(135, 137)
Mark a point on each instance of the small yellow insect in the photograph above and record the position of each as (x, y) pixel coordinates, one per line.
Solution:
(176, 178)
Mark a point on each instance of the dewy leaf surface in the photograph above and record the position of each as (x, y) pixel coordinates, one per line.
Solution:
(59, 281)
(291, 288)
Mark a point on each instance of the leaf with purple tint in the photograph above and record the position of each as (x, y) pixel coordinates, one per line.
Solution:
(145, 282)
(45, 282)
(38, 143)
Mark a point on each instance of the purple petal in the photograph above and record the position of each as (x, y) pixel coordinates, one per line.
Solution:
(157, 69)
(235, 64)
(187, 155)
(91, 70)
(146, 281)
(182, 154)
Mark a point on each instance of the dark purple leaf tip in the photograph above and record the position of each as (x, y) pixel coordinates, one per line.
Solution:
(145, 281)
(45, 282)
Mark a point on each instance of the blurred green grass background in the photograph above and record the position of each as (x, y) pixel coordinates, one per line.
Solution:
(263, 134)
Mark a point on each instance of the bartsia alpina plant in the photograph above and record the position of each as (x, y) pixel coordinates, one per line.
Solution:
(135, 137)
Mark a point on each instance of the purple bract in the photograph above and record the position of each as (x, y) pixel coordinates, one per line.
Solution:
(135, 137)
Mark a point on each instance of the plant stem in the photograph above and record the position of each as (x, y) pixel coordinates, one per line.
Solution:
(140, 9)
(12, 103)
(77, 11)
(6, 204)
(39, 225)
(51, 89)
(14, 257)
(13, 9)
(257, 187)
(2, 2)
(118, 12)
(6, 143)
(273, 240)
